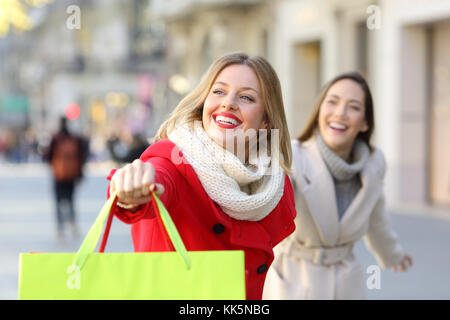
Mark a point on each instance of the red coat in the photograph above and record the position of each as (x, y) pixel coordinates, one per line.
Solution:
(201, 222)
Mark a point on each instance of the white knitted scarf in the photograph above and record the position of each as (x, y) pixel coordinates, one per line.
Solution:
(244, 192)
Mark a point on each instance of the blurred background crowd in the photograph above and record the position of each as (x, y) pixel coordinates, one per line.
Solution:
(110, 64)
(126, 64)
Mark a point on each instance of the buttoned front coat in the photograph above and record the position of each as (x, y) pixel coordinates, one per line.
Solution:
(201, 222)
(318, 225)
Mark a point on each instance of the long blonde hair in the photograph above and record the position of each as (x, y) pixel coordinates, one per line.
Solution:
(190, 108)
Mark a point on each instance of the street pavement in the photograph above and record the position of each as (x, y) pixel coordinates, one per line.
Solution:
(27, 223)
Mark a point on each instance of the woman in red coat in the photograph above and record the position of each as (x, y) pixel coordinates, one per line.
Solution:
(219, 166)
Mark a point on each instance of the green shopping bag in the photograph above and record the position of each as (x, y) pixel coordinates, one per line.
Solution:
(148, 275)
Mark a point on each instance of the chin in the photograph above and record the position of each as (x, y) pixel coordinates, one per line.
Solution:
(336, 144)
(217, 136)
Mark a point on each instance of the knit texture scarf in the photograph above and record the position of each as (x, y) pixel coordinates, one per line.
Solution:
(243, 191)
(345, 175)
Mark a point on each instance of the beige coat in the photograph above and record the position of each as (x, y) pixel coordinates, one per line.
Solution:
(317, 225)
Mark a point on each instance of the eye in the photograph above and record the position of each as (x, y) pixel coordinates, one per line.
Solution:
(248, 98)
(332, 102)
(355, 107)
(218, 91)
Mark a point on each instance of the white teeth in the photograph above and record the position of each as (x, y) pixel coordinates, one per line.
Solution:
(338, 126)
(227, 120)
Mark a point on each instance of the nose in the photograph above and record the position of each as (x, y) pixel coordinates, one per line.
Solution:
(341, 110)
(228, 103)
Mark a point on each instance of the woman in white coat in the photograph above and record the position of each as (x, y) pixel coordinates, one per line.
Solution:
(338, 183)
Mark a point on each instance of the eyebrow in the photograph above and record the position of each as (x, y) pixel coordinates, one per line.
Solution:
(337, 97)
(243, 88)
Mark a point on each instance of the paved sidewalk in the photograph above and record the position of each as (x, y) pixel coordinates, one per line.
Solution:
(427, 240)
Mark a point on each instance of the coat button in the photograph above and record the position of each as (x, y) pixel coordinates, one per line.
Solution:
(262, 268)
(218, 228)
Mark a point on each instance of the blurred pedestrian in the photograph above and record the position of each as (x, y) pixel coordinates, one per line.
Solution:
(66, 155)
(338, 184)
(218, 201)
(131, 152)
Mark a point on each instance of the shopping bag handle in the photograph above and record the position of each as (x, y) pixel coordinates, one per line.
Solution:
(171, 229)
(90, 241)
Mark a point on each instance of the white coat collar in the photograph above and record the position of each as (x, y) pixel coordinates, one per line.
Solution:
(319, 193)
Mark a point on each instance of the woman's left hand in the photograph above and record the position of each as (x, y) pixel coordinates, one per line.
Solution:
(404, 264)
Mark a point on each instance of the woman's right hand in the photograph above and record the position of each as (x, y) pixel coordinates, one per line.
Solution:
(134, 182)
(406, 263)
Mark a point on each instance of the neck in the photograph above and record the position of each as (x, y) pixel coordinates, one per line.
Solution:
(339, 167)
(344, 153)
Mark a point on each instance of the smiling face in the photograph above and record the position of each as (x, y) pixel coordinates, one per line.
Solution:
(342, 116)
(234, 102)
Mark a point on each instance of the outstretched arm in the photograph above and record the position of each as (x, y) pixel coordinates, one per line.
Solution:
(382, 240)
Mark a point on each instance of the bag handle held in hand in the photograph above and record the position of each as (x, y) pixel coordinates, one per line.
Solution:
(91, 239)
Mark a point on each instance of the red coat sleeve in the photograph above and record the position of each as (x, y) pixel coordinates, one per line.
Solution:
(164, 175)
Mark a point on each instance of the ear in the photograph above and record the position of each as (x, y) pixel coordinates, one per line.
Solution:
(364, 126)
(264, 124)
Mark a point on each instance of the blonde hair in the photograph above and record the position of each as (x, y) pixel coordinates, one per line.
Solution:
(190, 108)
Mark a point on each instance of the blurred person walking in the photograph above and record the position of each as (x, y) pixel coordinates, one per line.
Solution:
(66, 155)
(338, 184)
(120, 152)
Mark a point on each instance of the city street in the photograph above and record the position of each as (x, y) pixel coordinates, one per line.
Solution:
(27, 223)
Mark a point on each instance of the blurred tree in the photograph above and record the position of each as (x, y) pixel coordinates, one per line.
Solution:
(14, 15)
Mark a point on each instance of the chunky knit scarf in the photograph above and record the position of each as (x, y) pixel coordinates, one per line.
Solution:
(345, 175)
(243, 191)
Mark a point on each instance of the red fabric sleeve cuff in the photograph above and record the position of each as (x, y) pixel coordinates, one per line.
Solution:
(109, 177)
(131, 217)
(125, 215)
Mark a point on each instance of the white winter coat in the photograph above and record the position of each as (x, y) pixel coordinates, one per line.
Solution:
(317, 225)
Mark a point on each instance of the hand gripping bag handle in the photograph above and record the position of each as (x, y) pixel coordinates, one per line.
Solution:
(169, 245)
(90, 241)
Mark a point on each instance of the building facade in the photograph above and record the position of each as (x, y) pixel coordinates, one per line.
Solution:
(199, 31)
(400, 46)
(108, 57)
